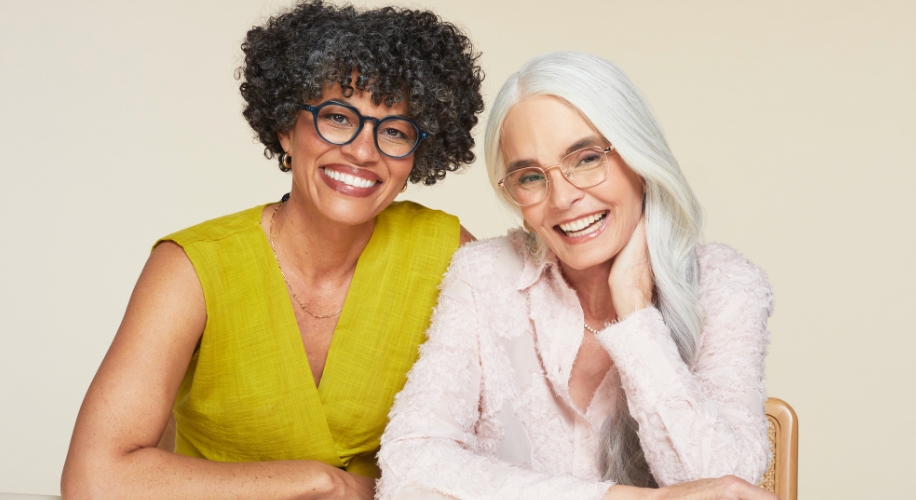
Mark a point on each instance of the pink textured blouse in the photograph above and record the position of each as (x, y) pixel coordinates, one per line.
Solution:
(486, 412)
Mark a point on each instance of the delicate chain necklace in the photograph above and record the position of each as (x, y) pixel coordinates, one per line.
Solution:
(270, 239)
(590, 328)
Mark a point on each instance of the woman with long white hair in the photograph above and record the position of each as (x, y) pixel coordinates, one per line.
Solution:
(603, 351)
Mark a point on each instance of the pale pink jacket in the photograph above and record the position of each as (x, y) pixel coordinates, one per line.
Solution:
(486, 411)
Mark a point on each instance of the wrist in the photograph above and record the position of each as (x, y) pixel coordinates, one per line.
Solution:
(320, 480)
(633, 303)
(623, 492)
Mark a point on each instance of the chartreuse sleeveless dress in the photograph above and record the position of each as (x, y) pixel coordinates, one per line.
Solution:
(249, 394)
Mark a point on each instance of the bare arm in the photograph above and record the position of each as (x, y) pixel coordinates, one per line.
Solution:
(113, 451)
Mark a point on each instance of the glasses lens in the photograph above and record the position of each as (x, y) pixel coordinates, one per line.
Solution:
(337, 124)
(587, 167)
(526, 186)
(396, 136)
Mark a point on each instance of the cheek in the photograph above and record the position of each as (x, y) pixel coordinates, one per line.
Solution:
(634, 207)
(626, 194)
(629, 213)
(535, 219)
(532, 216)
(400, 169)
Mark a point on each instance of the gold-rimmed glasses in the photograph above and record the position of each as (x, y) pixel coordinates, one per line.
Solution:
(583, 168)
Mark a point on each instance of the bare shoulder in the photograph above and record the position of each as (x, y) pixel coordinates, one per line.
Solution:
(169, 261)
(165, 316)
(167, 291)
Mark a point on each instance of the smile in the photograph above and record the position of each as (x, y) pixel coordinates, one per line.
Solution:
(584, 225)
(350, 180)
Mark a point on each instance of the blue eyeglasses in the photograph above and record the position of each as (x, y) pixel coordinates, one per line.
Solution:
(340, 124)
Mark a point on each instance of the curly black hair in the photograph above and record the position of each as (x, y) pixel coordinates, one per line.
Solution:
(396, 55)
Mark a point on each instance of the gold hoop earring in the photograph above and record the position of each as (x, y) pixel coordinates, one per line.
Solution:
(405, 186)
(287, 161)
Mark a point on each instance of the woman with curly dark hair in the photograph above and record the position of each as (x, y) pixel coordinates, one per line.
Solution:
(277, 337)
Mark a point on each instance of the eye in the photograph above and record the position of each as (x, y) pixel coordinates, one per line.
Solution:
(588, 160)
(529, 178)
(337, 117)
(397, 131)
(393, 134)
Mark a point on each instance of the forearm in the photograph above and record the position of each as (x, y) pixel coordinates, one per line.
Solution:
(723, 488)
(442, 468)
(689, 427)
(623, 492)
(150, 473)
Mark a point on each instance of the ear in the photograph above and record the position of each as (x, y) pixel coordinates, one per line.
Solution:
(285, 140)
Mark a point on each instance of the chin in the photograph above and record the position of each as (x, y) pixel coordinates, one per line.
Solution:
(583, 262)
(580, 257)
(346, 210)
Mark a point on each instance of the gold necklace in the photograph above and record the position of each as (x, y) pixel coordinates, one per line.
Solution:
(270, 239)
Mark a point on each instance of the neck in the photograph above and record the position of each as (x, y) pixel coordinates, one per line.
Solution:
(319, 249)
(594, 292)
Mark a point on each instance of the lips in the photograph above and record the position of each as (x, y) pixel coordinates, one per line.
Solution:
(583, 225)
(350, 181)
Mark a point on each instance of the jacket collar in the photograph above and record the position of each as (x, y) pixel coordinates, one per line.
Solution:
(556, 315)
(533, 267)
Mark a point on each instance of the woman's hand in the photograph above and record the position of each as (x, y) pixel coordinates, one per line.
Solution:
(631, 275)
(723, 488)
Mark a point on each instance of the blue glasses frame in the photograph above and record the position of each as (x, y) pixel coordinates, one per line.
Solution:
(421, 134)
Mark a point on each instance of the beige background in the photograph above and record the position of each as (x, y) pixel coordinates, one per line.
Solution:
(793, 120)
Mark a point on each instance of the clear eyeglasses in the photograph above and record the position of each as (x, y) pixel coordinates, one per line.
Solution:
(340, 124)
(583, 168)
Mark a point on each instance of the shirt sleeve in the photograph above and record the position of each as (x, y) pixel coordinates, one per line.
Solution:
(429, 449)
(708, 421)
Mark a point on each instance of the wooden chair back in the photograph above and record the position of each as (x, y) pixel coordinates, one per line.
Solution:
(782, 476)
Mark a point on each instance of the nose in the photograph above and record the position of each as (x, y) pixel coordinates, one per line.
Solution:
(562, 193)
(363, 149)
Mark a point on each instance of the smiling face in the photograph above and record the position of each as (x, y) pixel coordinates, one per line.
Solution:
(348, 184)
(583, 227)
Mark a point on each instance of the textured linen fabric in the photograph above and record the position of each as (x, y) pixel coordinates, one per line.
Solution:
(249, 394)
(486, 412)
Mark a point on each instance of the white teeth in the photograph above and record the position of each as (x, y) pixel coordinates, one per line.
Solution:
(348, 179)
(578, 226)
(588, 230)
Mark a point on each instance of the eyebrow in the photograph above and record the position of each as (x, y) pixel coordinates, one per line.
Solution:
(581, 143)
(346, 102)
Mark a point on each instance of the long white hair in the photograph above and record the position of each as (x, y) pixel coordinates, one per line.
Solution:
(604, 96)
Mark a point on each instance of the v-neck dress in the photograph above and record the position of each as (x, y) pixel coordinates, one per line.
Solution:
(249, 394)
